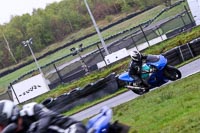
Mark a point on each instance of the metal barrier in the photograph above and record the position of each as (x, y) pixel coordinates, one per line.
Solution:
(58, 72)
(147, 36)
(111, 84)
(78, 96)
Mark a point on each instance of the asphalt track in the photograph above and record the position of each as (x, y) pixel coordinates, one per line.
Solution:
(186, 70)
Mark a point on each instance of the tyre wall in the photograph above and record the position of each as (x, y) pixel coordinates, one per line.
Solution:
(92, 91)
(78, 96)
(184, 52)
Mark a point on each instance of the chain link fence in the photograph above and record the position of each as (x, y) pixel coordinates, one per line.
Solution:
(138, 36)
(72, 67)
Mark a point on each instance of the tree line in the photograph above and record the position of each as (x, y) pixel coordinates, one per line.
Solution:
(57, 21)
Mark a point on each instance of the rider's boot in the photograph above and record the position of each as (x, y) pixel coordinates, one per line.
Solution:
(146, 85)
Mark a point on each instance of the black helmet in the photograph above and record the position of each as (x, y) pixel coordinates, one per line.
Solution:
(136, 56)
(9, 112)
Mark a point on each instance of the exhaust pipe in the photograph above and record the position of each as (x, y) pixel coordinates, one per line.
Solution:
(132, 87)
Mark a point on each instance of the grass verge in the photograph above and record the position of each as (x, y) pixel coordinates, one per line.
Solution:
(6, 80)
(173, 108)
(123, 65)
(121, 90)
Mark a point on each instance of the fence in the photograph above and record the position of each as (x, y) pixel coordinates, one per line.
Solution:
(110, 84)
(137, 37)
(59, 71)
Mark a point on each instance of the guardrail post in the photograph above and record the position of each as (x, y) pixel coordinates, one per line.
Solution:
(8, 94)
(190, 50)
(181, 53)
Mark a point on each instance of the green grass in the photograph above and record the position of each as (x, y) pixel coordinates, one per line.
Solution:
(6, 80)
(173, 108)
(85, 80)
(121, 90)
(120, 66)
(183, 38)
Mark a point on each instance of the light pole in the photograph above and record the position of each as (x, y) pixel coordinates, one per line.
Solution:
(27, 43)
(97, 29)
(76, 51)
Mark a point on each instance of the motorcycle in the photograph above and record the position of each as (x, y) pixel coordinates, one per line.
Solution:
(100, 123)
(155, 71)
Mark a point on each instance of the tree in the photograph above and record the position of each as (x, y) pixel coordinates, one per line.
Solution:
(8, 47)
(56, 21)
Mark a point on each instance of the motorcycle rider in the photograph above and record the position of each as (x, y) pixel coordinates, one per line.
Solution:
(35, 118)
(135, 68)
(9, 113)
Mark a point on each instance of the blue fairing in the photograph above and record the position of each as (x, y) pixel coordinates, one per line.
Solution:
(156, 78)
(101, 121)
(125, 77)
(160, 63)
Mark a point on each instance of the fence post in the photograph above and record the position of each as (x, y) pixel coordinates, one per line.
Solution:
(60, 77)
(8, 94)
(101, 54)
(144, 35)
(134, 43)
(14, 92)
(184, 24)
(188, 14)
(159, 32)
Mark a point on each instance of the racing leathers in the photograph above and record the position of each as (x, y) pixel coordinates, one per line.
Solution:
(39, 119)
(135, 71)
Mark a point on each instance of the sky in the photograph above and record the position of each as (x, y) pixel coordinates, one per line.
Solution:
(10, 8)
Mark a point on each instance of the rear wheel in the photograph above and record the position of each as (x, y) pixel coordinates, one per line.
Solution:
(172, 73)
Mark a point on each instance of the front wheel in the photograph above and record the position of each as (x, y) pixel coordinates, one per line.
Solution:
(172, 73)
